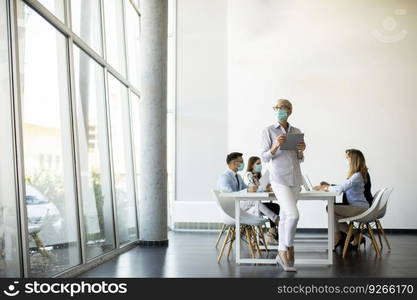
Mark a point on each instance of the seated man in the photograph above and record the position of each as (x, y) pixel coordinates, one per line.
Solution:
(231, 181)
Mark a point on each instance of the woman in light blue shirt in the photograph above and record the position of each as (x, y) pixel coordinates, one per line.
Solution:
(285, 176)
(354, 188)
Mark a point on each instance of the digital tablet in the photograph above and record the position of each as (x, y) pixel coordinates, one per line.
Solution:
(292, 141)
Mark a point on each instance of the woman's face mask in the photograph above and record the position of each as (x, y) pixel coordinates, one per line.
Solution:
(258, 168)
(282, 114)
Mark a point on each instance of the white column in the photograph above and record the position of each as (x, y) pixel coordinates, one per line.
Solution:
(153, 123)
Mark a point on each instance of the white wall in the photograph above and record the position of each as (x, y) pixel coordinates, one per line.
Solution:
(202, 90)
(350, 89)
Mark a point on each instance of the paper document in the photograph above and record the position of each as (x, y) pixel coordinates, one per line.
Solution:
(263, 182)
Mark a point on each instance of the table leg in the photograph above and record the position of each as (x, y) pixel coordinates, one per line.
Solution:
(330, 209)
(237, 229)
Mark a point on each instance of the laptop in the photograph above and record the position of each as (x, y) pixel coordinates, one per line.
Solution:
(307, 183)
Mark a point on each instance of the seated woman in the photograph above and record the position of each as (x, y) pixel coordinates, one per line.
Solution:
(270, 210)
(368, 189)
(353, 188)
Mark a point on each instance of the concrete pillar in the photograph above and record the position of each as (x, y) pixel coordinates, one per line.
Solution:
(153, 124)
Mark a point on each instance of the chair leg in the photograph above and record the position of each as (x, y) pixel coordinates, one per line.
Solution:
(249, 241)
(360, 235)
(255, 238)
(261, 234)
(381, 230)
(254, 234)
(224, 244)
(379, 235)
(220, 234)
(371, 234)
(349, 234)
(233, 237)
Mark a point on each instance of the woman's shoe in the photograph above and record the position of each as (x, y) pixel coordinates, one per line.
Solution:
(341, 241)
(283, 262)
(357, 246)
(290, 256)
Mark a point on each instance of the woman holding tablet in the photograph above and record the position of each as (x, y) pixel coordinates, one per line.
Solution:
(286, 179)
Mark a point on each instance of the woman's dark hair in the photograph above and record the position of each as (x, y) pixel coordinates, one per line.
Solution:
(232, 156)
(251, 162)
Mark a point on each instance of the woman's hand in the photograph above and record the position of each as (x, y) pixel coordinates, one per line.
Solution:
(322, 187)
(252, 188)
(301, 146)
(268, 188)
(281, 139)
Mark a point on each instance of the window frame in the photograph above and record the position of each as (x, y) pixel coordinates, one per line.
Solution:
(71, 40)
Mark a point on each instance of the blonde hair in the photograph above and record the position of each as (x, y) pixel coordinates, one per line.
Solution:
(284, 102)
(357, 163)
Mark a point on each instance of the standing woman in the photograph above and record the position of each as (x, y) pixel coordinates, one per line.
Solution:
(270, 210)
(286, 179)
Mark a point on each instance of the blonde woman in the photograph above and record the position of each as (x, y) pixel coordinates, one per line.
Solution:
(286, 179)
(354, 188)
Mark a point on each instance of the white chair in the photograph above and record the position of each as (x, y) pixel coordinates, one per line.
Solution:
(366, 218)
(379, 227)
(248, 222)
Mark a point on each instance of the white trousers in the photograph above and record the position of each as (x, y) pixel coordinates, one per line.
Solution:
(267, 212)
(258, 209)
(287, 197)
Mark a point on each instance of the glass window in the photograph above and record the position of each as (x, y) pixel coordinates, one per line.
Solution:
(133, 43)
(93, 155)
(171, 107)
(171, 75)
(57, 7)
(170, 163)
(86, 22)
(48, 159)
(171, 17)
(122, 161)
(170, 144)
(134, 108)
(115, 42)
(9, 247)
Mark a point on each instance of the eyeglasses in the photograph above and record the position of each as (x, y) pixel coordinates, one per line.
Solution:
(275, 108)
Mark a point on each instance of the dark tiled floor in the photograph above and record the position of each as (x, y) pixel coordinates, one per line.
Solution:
(192, 254)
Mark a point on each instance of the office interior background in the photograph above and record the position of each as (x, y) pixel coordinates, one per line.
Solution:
(70, 95)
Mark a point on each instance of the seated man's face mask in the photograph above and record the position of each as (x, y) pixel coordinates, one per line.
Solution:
(241, 166)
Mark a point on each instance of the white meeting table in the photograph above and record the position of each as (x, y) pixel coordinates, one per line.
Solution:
(308, 196)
